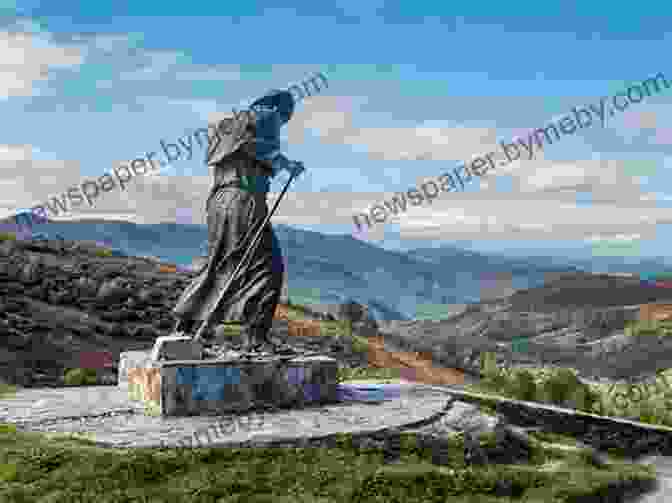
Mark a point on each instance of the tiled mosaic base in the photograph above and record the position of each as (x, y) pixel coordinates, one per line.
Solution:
(197, 387)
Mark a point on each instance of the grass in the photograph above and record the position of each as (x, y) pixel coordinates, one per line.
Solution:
(368, 373)
(7, 236)
(650, 403)
(80, 377)
(296, 311)
(6, 389)
(39, 468)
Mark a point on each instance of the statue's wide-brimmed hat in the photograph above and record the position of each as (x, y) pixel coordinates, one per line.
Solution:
(282, 101)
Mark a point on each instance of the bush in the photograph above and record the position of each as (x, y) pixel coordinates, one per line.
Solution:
(561, 385)
(647, 327)
(583, 398)
(359, 344)
(652, 412)
(522, 385)
(489, 365)
(80, 377)
(7, 236)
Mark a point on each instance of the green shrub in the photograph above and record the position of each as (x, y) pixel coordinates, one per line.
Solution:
(488, 362)
(80, 377)
(652, 412)
(583, 398)
(521, 385)
(561, 386)
(359, 344)
(7, 236)
(647, 327)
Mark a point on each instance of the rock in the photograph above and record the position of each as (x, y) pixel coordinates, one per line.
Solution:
(163, 324)
(474, 454)
(365, 328)
(11, 307)
(7, 248)
(87, 287)
(120, 315)
(115, 330)
(113, 291)
(149, 296)
(60, 298)
(353, 311)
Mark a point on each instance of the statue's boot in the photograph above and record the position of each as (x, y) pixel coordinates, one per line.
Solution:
(260, 342)
(189, 328)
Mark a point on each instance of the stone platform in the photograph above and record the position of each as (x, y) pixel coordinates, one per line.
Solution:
(106, 416)
(212, 387)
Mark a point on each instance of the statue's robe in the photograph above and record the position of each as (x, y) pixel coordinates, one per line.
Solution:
(235, 208)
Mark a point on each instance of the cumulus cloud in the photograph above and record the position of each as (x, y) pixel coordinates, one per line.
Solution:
(330, 117)
(26, 181)
(514, 217)
(27, 58)
(541, 202)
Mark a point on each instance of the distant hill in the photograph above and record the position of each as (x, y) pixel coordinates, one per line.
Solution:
(330, 269)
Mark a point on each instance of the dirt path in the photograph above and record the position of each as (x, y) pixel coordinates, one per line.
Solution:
(415, 367)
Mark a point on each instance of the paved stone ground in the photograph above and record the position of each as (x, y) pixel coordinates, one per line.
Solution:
(105, 415)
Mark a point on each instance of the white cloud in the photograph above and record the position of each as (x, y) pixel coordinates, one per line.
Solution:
(455, 216)
(27, 181)
(26, 58)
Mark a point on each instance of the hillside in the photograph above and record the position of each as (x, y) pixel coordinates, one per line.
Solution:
(59, 300)
(574, 321)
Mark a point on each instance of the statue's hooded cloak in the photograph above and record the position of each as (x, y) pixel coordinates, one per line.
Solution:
(244, 144)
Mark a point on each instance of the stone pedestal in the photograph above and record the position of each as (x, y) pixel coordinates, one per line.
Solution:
(212, 387)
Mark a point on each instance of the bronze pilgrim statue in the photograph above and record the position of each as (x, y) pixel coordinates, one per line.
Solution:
(244, 153)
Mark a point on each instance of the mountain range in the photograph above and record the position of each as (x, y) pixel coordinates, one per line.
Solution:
(423, 283)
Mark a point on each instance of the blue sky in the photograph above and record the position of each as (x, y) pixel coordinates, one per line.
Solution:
(415, 88)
